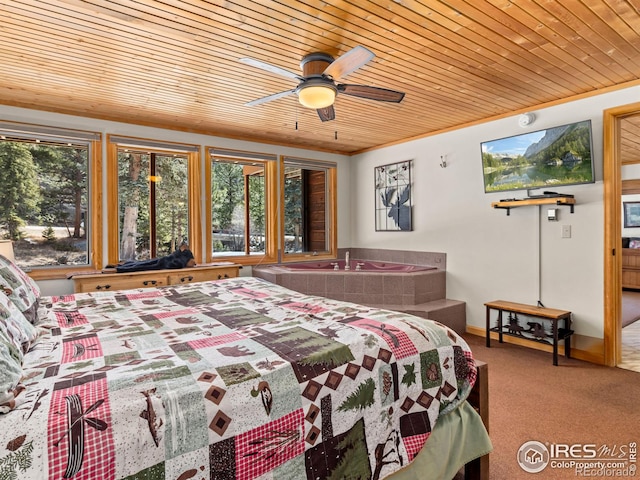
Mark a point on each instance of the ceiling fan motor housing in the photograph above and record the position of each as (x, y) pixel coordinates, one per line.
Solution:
(314, 64)
(316, 91)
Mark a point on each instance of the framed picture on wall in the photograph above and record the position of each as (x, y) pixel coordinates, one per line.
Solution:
(393, 197)
(631, 214)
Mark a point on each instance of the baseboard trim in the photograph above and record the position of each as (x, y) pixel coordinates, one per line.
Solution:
(589, 349)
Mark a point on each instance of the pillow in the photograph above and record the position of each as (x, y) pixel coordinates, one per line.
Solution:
(634, 243)
(20, 288)
(15, 326)
(10, 374)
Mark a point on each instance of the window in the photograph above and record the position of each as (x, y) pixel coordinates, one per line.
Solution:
(241, 196)
(48, 176)
(308, 210)
(154, 198)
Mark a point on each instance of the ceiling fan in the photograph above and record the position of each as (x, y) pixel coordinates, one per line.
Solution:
(318, 85)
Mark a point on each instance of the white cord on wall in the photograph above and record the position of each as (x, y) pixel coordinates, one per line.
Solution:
(540, 256)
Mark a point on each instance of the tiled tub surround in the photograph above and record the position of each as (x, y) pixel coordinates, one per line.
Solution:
(436, 259)
(367, 287)
(357, 265)
(420, 292)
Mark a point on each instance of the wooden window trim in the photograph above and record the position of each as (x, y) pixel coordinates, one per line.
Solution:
(96, 229)
(332, 197)
(271, 199)
(94, 198)
(194, 169)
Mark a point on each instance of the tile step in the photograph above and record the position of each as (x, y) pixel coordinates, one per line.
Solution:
(451, 313)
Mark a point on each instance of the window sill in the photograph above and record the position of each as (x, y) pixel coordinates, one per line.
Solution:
(247, 260)
(306, 257)
(56, 273)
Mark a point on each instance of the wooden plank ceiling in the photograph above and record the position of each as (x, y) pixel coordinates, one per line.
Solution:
(175, 63)
(630, 139)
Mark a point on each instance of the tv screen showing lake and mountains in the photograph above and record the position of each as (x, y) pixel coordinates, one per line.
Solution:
(550, 158)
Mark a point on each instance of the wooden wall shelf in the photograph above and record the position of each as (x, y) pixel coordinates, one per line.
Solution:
(509, 204)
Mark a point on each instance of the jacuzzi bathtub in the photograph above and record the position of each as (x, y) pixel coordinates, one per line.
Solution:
(356, 266)
(377, 282)
(417, 289)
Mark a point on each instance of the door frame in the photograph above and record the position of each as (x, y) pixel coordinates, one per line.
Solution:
(613, 230)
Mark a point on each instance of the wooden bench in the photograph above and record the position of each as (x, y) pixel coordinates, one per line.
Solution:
(536, 331)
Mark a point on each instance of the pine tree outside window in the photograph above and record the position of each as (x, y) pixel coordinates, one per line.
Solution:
(241, 198)
(153, 203)
(48, 176)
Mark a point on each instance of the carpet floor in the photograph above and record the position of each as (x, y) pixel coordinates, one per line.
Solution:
(573, 403)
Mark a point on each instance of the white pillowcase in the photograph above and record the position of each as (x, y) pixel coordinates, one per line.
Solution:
(10, 374)
(20, 288)
(17, 329)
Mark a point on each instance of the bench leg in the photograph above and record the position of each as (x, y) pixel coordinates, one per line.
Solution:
(567, 340)
(555, 341)
(488, 340)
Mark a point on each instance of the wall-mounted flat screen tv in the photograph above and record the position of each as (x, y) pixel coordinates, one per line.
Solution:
(546, 159)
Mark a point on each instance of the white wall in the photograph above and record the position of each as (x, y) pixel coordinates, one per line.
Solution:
(490, 255)
(60, 287)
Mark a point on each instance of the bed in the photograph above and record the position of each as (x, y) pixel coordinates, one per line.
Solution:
(236, 378)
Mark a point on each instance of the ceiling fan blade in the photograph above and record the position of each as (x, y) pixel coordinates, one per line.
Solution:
(348, 62)
(326, 114)
(271, 68)
(371, 93)
(269, 98)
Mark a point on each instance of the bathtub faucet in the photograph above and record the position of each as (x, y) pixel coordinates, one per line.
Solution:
(346, 261)
(359, 266)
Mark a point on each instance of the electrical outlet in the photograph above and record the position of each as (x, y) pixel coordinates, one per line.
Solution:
(566, 231)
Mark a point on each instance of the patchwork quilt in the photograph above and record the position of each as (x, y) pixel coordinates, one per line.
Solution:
(234, 379)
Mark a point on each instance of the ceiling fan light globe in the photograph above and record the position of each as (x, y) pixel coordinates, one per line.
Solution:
(317, 96)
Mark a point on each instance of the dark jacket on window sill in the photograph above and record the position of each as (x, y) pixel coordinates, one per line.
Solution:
(181, 258)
